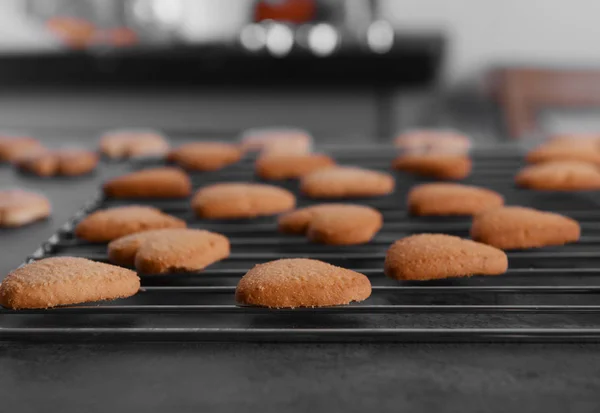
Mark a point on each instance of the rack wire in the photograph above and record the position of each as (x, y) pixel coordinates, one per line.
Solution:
(548, 294)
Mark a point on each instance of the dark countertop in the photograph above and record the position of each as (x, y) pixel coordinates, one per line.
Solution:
(165, 377)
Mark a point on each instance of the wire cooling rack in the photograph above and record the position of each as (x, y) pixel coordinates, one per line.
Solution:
(548, 294)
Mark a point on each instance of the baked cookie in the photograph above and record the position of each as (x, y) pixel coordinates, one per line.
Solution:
(169, 250)
(292, 283)
(568, 138)
(131, 143)
(150, 183)
(346, 182)
(514, 227)
(280, 141)
(18, 207)
(59, 281)
(441, 166)
(13, 148)
(584, 150)
(275, 167)
(241, 200)
(206, 156)
(66, 162)
(431, 140)
(335, 224)
(451, 199)
(434, 256)
(109, 224)
(560, 176)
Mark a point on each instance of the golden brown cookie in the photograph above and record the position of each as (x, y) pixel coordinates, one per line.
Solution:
(169, 250)
(206, 156)
(241, 200)
(66, 162)
(12, 148)
(441, 166)
(131, 143)
(560, 176)
(109, 224)
(520, 228)
(291, 166)
(451, 199)
(434, 256)
(150, 183)
(346, 182)
(59, 281)
(584, 150)
(335, 224)
(568, 138)
(277, 141)
(292, 283)
(431, 140)
(18, 207)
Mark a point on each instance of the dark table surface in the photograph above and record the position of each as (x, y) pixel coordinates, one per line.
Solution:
(181, 377)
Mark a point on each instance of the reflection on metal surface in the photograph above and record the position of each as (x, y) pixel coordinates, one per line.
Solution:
(323, 39)
(253, 37)
(279, 40)
(380, 36)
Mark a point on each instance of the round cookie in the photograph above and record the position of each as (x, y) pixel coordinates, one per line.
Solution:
(150, 183)
(12, 148)
(66, 162)
(435, 256)
(568, 138)
(560, 176)
(274, 167)
(441, 166)
(18, 207)
(293, 283)
(514, 227)
(442, 199)
(59, 281)
(130, 143)
(585, 150)
(334, 224)
(241, 200)
(109, 224)
(169, 250)
(346, 182)
(431, 140)
(277, 141)
(206, 156)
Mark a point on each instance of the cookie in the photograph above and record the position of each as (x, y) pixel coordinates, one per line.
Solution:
(560, 176)
(131, 143)
(206, 156)
(12, 148)
(346, 182)
(431, 140)
(584, 150)
(150, 183)
(60, 281)
(18, 207)
(514, 227)
(241, 200)
(568, 138)
(274, 167)
(335, 224)
(169, 250)
(280, 141)
(292, 283)
(66, 162)
(443, 199)
(435, 165)
(435, 256)
(109, 224)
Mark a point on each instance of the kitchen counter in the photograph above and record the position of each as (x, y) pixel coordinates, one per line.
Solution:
(181, 377)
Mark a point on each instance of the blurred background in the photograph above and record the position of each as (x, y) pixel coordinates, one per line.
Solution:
(346, 70)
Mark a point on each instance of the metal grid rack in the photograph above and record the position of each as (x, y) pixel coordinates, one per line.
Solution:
(548, 294)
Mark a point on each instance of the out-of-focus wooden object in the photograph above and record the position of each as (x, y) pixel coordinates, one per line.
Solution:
(522, 92)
